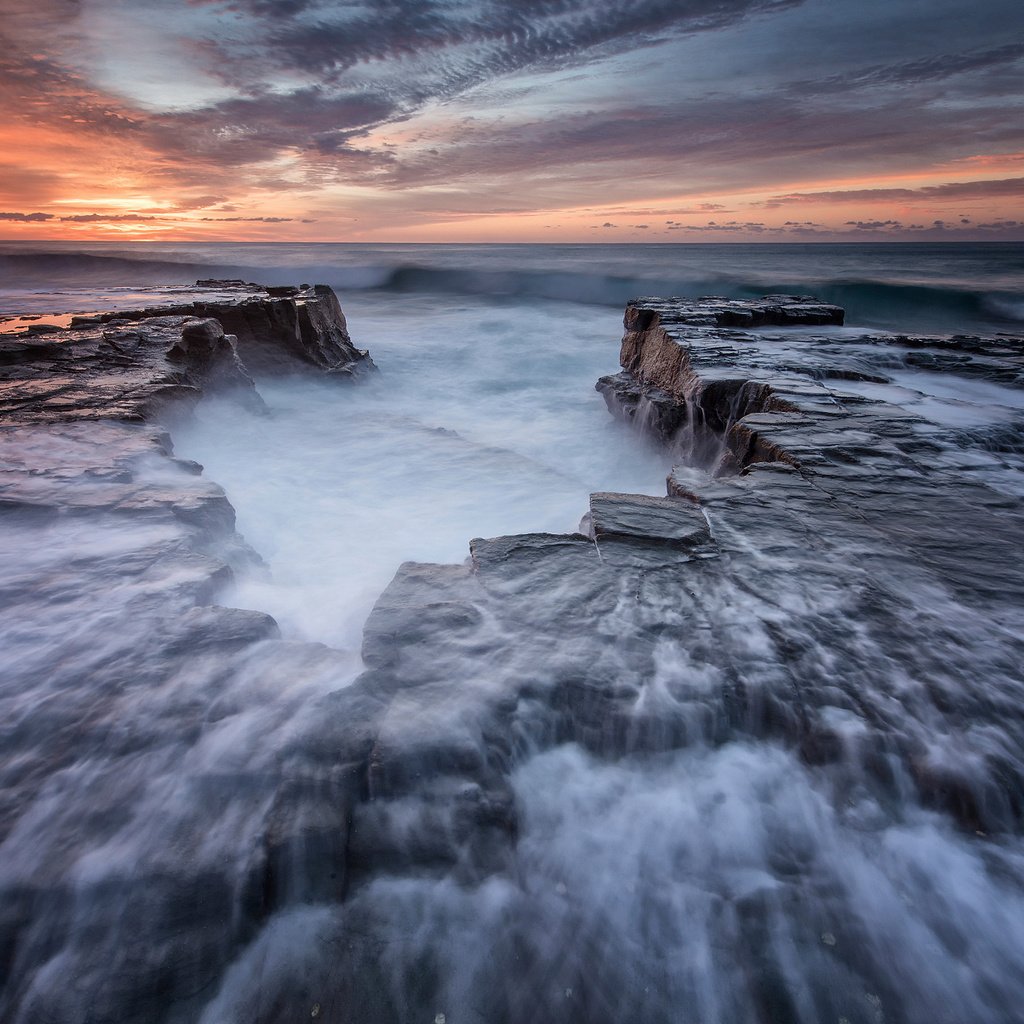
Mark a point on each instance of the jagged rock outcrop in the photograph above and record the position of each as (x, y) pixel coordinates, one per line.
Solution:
(132, 364)
(706, 378)
(659, 386)
(277, 330)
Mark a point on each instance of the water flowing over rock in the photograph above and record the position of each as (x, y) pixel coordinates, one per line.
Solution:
(132, 547)
(746, 751)
(830, 621)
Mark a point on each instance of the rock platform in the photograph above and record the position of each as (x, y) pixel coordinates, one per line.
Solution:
(129, 364)
(131, 548)
(829, 577)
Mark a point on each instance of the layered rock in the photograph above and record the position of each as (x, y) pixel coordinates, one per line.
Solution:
(277, 329)
(837, 601)
(132, 364)
(844, 604)
(696, 371)
(125, 370)
(122, 672)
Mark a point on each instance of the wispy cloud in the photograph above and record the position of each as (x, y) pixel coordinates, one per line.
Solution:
(925, 69)
(981, 189)
(654, 113)
(144, 218)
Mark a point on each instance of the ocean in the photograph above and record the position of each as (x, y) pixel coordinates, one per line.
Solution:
(717, 882)
(899, 286)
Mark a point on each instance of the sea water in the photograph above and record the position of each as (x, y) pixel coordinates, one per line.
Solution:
(897, 286)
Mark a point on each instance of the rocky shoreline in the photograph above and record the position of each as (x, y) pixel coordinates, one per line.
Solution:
(84, 443)
(692, 619)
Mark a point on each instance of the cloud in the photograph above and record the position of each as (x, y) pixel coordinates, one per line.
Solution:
(730, 227)
(925, 69)
(983, 189)
(420, 109)
(874, 225)
(451, 47)
(259, 220)
(715, 143)
(25, 218)
(149, 218)
(25, 185)
(110, 218)
(254, 129)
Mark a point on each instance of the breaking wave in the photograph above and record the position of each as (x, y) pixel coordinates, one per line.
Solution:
(532, 273)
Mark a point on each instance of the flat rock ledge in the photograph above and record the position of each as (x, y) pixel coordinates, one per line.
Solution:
(276, 329)
(704, 376)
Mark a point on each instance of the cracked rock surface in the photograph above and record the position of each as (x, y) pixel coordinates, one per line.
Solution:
(716, 756)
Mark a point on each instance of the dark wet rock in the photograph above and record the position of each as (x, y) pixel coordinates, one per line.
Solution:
(122, 370)
(846, 598)
(773, 604)
(714, 311)
(277, 330)
(652, 410)
(640, 518)
(697, 372)
(133, 550)
(136, 364)
(227, 283)
(212, 626)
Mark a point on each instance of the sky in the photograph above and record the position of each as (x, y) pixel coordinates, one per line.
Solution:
(517, 121)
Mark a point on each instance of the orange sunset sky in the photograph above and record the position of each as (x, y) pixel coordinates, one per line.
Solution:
(711, 120)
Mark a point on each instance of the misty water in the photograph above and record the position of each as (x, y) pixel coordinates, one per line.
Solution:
(483, 421)
(721, 878)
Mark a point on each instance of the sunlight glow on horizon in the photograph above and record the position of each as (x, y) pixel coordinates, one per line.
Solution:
(321, 123)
